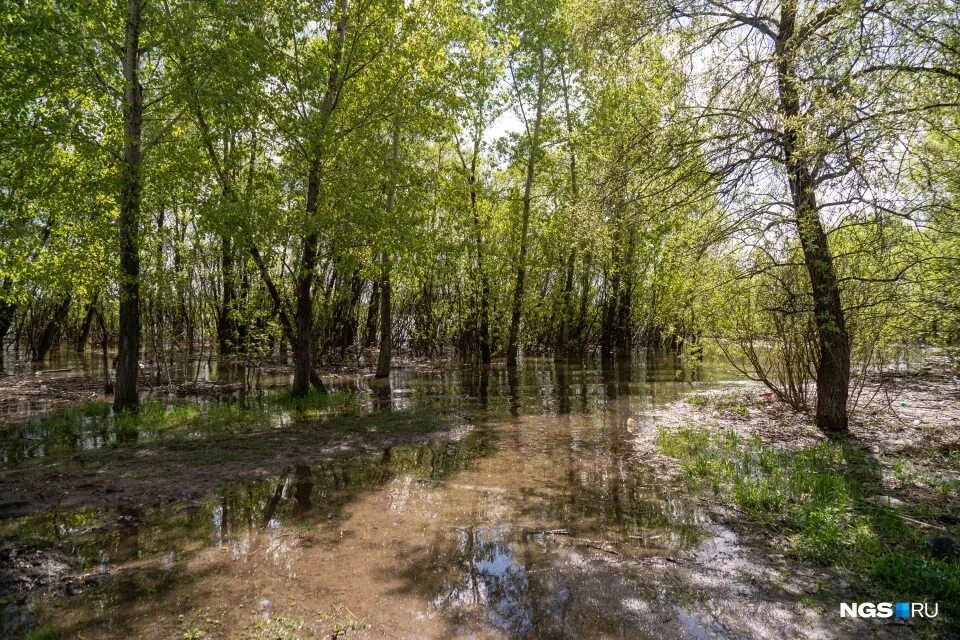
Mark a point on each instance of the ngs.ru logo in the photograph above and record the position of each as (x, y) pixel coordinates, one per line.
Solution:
(903, 610)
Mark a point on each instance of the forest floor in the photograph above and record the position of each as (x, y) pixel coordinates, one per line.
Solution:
(873, 515)
(183, 468)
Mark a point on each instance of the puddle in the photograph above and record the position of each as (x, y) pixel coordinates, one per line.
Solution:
(537, 515)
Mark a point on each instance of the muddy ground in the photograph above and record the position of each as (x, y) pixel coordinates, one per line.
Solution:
(156, 473)
(911, 418)
(908, 422)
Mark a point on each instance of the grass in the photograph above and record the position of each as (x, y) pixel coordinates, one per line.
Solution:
(813, 500)
(723, 402)
(276, 627)
(314, 404)
(62, 430)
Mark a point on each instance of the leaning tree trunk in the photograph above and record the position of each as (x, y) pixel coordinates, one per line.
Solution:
(833, 366)
(86, 324)
(128, 356)
(52, 330)
(513, 335)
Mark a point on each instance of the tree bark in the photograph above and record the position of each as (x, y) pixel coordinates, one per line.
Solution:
(52, 330)
(833, 365)
(227, 333)
(104, 359)
(513, 335)
(7, 311)
(385, 356)
(303, 343)
(484, 328)
(303, 314)
(87, 323)
(373, 315)
(566, 318)
(128, 357)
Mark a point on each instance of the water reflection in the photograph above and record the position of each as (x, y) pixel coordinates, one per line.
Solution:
(524, 519)
(540, 387)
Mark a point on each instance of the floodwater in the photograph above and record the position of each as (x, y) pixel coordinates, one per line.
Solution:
(537, 513)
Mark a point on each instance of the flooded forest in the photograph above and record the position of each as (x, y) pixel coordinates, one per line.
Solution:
(479, 319)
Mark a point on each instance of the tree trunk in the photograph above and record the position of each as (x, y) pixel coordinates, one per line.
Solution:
(227, 334)
(484, 328)
(128, 356)
(580, 328)
(566, 318)
(303, 342)
(52, 330)
(6, 319)
(303, 315)
(833, 365)
(373, 315)
(386, 312)
(86, 324)
(104, 360)
(385, 356)
(512, 344)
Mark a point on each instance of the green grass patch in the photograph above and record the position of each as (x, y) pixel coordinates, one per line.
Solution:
(313, 404)
(724, 402)
(813, 499)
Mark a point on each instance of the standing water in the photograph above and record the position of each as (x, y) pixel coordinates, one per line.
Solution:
(537, 511)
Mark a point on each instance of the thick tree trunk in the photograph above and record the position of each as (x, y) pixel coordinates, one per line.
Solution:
(833, 366)
(51, 331)
(86, 324)
(128, 357)
(518, 289)
(303, 314)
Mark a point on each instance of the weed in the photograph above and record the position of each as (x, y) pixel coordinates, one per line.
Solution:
(815, 496)
(276, 628)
